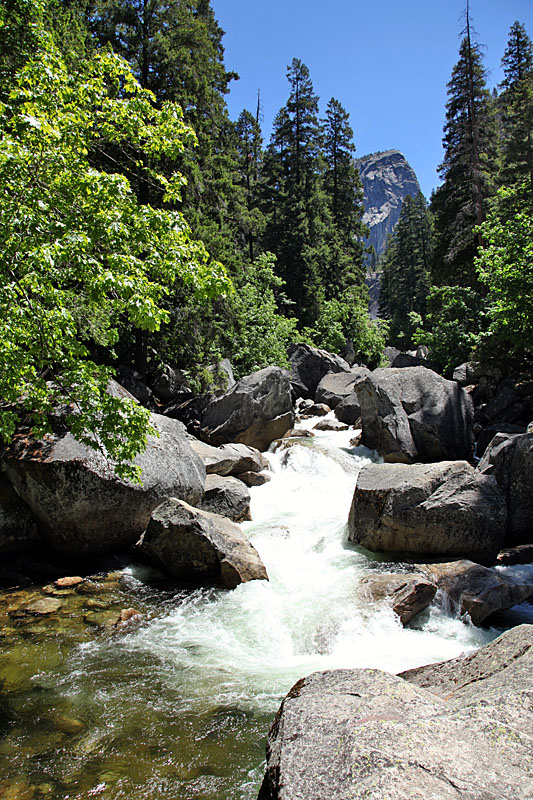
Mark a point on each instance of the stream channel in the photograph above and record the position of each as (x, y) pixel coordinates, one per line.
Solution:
(179, 705)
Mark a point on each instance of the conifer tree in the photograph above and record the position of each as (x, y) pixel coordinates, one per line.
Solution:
(469, 160)
(516, 109)
(343, 188)
(249, 153)
(405, 271)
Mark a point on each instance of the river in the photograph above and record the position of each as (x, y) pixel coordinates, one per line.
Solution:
(178, 707)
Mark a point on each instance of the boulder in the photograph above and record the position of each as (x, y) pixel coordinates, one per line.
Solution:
(81, 506)
(308, 365)
(348, 410)
(316, 410)
(257, 410)
(474, 591)
(229, 459)
(367, 735)
(18, 530)
(221, 375)
(473, 371)
(521, 554)
(330, 425)
(196, 546)
(441, 509)
(509, 458)
(226, 496)
(486, 435)
(407, 595)
(412, 414)
(168, 383)
(132, 382)
(254, 478)
(335, 386)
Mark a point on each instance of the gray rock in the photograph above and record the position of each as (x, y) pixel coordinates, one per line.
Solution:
(194, 545)
(509, 458)
(308, 365)
(413, 414)
(298, 433)
(486, 435)
(169, 383)
(229, 459)
(441, 509)
(473, 371)
(330, 425)
(257, 410)
(336, 386)
(407, 595)
(132, 382)
(226, 496)
(80, 504)
(348, 410)
(521, 554)
(316, 410)
(367, 735)
(254, 478)
(222, 375)
(476, 591)
(18, 530)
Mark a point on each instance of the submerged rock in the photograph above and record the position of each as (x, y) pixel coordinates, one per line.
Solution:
(367, 735)
(412, 414)
(442, 509)
(194, 545)
(257, 410)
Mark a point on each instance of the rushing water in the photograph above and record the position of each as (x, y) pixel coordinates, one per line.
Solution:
(179, 706)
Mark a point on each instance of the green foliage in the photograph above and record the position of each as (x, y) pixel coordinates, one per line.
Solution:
(76, 241)
(505, 267)
(346, 318)
(455, 321)
(405, 272)
(21, 33)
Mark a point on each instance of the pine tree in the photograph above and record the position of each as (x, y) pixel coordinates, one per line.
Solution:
(405, 271)
(343, 188)
(295, 203)
(469, 160)
(516, 109)
(249, 151)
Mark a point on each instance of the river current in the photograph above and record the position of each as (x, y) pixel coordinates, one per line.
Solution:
(179, 706)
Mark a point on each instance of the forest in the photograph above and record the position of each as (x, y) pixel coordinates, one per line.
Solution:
(141, 225)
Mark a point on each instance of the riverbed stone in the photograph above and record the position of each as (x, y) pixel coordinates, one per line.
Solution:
(367, 735)
(227, 496)
(445, 509)
(476, 592)
(196, 546)
(229, 459)
(254, 478)
(316, 410)
(336, 386)
(407, 595)
(257, 410)
(81, 505)
(308, 365)
(413, 414)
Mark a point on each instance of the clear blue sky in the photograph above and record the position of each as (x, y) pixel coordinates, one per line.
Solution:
(386, 61)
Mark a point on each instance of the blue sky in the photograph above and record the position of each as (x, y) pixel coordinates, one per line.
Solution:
(386, 61)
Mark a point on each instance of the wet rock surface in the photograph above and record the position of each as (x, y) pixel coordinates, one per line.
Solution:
(407, 595)
(359, 734)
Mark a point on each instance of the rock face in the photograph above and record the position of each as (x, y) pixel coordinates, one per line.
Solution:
(18, 530)
(412, 414)
(194, 545)
(407, 595)
(367, 735)
(257, 410)
(443, 509)
(308, 365)
(336, 386)
(80, 504)
(387, 179)
(226, 496)
(476, 591)
(509, 458)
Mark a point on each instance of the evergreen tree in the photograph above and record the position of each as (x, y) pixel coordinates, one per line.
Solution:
(249, 152)
(405, 272)
(469, 160)
(296, 206)
(516, 109)
(343, 188)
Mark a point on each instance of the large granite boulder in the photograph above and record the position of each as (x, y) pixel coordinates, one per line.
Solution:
(18, 531)
(168, 383)
(229, 459)
(407, 595)
(443, 509)
(79, 503)
(476, 592)
(509, 458)
(367, 735)
(257, 410)
(336, 386)
(196, 546)
(412, 414)
(308, 365)
(227, 496)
